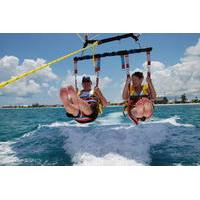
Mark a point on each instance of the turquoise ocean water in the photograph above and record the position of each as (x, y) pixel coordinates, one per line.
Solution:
(45, 136)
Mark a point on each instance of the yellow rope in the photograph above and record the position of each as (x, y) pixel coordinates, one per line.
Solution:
(15, 78)
(93, 53)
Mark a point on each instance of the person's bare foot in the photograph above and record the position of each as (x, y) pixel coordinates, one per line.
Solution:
(72, 93)
(137, 112)
(148, 108)
(63, 93)
(134, 112)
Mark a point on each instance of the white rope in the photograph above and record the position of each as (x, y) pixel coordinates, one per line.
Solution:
(95, 36)
(79, 36)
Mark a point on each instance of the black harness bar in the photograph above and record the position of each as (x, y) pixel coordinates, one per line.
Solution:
(119, 37)
(109, 54)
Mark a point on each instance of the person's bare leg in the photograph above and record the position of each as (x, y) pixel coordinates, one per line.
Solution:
(78, 102)
(69, 107)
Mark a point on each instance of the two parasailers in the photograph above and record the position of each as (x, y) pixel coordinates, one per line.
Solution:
(85, 106)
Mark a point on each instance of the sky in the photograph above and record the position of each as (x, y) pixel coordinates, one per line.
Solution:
(175, 65)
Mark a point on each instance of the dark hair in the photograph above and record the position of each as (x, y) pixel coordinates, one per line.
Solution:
(86, 79)
(138, 74)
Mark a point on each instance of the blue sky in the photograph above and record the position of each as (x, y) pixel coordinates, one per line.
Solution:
(168, 50)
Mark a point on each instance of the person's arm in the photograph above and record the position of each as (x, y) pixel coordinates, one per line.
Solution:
(151, 89)
(125, 94)
(101, 97)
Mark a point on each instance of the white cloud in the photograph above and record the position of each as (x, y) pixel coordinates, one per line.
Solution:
(22, 88)
(193, 50)
(45, 85)
(53, 92)
(9, 67)
(21, 100)
(45, 74)
(183, 77)
(103, 82)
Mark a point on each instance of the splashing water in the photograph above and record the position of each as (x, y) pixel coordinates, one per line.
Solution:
(47, 137)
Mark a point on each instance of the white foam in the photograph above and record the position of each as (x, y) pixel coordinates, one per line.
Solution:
(172, 120)
(56, 124)
(109, 159)
(65, 124)
(104, 145)
(123, 127)
(31, 132)
(178, 164)
(28, 134)
(52, 125)
(111, 119)
(7, 155)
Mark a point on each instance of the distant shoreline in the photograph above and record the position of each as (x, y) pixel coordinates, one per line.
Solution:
(176, 104)
(32, 108)
(181, 104)
(168, 104)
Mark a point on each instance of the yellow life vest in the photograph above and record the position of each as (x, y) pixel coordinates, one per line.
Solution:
(145, 91)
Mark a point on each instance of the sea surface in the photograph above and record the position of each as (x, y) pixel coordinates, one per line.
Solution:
(45, 136)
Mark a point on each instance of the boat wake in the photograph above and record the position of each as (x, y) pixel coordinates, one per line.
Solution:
(110, 140)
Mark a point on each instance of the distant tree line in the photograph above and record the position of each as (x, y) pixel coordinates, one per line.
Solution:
(183, 99)
(159, 100)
